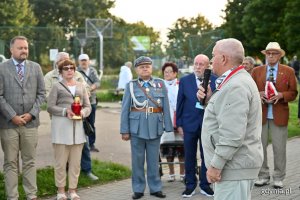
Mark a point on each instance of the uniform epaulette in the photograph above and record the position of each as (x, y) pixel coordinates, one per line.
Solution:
(158, 79)
(133, 80)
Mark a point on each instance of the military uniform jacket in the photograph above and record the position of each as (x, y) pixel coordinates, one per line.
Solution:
(142, 124)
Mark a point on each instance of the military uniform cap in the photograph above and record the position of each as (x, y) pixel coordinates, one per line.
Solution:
(142, 60)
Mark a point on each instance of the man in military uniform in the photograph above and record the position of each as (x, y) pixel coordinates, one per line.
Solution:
(145, 115)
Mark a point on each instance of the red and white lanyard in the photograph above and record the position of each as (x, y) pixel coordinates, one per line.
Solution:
(231, 74)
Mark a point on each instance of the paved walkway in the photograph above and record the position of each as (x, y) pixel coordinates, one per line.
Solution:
(112, 148)
(121, 190)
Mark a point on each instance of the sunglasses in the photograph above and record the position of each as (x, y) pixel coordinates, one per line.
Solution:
(67, 68)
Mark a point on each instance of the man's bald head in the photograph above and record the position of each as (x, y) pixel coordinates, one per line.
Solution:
(201, 62)
(227, 53)
(232, 48)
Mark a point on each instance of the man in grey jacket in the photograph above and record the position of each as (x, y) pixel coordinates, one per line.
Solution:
(231, 130)
(90, 75)
(22, 91)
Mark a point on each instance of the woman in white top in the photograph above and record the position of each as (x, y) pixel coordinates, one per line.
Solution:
(170, 71)
(68, 136)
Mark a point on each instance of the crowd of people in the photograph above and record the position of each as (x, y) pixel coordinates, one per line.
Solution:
(233, 158)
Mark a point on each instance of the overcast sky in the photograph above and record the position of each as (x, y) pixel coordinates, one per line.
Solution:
(162, 14)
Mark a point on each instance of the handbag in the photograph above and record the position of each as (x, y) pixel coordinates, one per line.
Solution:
(170, 137)
(88, 129)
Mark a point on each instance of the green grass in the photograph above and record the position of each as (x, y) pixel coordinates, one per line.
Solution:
(106, 171)
(293, 127)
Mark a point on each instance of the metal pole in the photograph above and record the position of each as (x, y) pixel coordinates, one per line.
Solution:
(101, 50)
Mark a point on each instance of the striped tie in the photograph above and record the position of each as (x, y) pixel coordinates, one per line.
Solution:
(220, 80)
(20, 72)
(271, 75)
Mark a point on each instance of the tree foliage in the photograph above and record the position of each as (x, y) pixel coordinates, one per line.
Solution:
(234, 13)
(292, 26)
(19, 14)
(258, 22)
(181, 36)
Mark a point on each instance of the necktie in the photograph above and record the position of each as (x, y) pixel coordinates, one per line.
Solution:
(271, 75)
(201, 80)
(146, 84)
(20, 72)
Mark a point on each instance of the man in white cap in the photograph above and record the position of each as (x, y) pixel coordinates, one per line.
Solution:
(90, 75)
(275, 110)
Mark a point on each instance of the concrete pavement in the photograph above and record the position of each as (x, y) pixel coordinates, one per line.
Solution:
(112, 148)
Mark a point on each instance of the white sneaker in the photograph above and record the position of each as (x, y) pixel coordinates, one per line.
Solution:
(182, 178)
(261, 182)
(92, 176)
(278, 184)
(171, 178)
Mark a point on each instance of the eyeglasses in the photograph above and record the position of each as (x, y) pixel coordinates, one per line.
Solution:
(168, 72)
(272, 53)
(67, 68)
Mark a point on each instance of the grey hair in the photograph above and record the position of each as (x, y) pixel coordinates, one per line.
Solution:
(128, 64)
(250, 59)
(232, 48)
(59, 56)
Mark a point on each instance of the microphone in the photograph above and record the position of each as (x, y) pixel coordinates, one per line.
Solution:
(205, 83)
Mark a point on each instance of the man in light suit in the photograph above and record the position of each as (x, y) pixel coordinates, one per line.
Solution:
(22, 91)
(232, 125)
(275, 111)
(189, 118)
(145, 115)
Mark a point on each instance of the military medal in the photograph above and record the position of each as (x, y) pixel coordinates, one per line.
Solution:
(158, 101)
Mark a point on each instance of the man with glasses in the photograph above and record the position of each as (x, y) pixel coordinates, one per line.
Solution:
(189, 117)
(275, 111)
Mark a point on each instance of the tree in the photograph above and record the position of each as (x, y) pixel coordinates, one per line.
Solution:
(292, 26)
(234, 13)
(262, 23)
(182, 37)
(21, 21)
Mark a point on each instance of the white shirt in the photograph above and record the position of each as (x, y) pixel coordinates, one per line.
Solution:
(124, 77)
(172, 88)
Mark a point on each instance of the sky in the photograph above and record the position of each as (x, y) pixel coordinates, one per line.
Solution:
(162, 14)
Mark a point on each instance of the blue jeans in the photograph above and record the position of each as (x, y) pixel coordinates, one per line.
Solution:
(91, 119)
(86, 162)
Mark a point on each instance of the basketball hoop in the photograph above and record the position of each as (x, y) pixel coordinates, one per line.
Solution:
(101, 28)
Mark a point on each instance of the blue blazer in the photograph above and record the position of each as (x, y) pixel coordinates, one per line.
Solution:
(187, 115)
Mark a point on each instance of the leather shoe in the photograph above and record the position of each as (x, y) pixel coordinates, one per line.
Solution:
(137, 195)
(158, 194)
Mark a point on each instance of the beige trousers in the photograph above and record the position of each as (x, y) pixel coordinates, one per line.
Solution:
(233, 190)
(279, 139)
(24, 140)
(64, 154)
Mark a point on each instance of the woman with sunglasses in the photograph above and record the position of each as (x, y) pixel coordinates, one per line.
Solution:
(68, 136)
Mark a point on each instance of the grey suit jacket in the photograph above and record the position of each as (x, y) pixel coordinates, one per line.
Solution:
(138, 124)
(17, 98)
